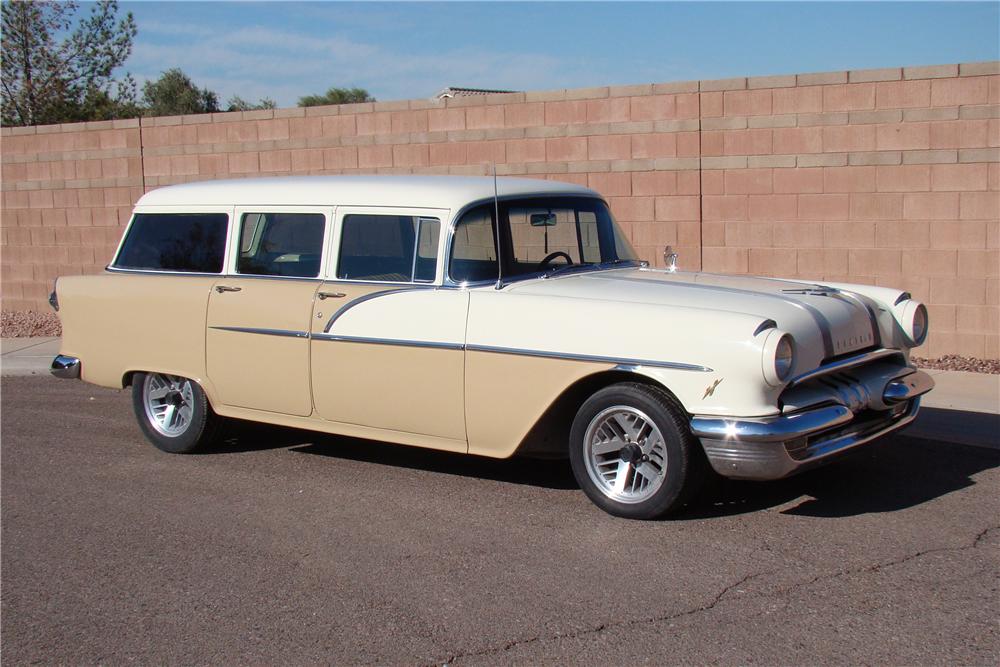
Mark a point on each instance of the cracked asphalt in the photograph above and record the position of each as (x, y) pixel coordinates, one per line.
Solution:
(288, 547)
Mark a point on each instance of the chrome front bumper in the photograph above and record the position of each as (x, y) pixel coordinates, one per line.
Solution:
(776, 447)
(66, 367)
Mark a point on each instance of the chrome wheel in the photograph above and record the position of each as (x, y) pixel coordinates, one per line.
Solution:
(169, 401)
(625, 454)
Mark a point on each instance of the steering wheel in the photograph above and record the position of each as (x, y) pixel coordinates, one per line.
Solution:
(552, 255)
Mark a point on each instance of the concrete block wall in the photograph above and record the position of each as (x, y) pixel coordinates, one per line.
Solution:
(883, 176)
(887, 177)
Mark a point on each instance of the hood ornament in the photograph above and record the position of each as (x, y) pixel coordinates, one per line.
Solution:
(670, 259)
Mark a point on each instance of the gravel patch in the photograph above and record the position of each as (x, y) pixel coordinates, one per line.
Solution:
(23, 324)
(954, 362)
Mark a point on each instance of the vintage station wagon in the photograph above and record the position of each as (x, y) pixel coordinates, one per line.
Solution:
(484, 316)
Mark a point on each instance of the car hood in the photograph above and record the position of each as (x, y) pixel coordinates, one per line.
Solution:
(840, 321)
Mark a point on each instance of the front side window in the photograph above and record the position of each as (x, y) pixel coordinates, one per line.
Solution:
(281, 244)
(537, 235)
(184, 242)
(389, 248)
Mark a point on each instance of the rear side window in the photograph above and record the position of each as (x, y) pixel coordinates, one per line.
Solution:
(186, 242)
(281, 244)
(389, 248)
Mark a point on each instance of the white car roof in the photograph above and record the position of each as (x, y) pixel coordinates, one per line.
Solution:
(448, 192)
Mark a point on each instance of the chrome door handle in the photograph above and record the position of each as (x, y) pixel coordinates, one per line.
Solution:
(331, 295)
(223, 288)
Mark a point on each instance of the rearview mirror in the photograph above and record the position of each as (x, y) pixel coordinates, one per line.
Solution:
(543, 219)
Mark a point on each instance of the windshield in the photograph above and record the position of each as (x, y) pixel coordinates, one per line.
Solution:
(539, 236)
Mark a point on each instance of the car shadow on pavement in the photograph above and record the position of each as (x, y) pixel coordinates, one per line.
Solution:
(892, 475)
(249, 437)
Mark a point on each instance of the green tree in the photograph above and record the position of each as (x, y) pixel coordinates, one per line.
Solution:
(174, 94)
(237, 103)
(336, 96)
(57, 68)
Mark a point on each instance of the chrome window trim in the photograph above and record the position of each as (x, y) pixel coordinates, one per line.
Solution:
(114, 269)
(224, 210)
(446, 275)
(266, 332)
(236, 231)
(337, 244)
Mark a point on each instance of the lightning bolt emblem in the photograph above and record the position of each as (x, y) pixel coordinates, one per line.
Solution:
(711, 388)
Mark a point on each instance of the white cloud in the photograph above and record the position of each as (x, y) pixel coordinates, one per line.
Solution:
(260, 61)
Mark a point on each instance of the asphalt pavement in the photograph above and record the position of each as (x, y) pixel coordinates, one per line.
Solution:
(286, 547)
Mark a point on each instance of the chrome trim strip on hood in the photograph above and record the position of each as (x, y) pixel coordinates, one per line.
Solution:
(818, 317)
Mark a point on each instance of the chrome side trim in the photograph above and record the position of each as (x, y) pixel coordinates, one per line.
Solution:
(771, 429)
(909, 386)
(266, 332)
(618, 361)
(842, 364)
(620, 364)
(367, 297)
(65, 367)
(389, 341)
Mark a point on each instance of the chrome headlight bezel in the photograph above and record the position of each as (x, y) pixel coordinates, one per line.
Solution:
(914, 321)
(778, 359)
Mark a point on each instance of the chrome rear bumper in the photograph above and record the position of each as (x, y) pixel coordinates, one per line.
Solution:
(66, 367)
(776, 447)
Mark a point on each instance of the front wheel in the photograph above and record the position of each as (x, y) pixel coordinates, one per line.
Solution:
(632, 452)
(173, 412)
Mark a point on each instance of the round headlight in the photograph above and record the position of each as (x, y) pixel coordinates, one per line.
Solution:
(779, 357)
(784, 355)
(914, 321)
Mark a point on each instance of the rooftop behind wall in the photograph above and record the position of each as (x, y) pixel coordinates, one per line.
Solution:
(886, 176)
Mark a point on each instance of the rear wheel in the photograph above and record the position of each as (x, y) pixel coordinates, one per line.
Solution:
(632, 452)
(173, 412)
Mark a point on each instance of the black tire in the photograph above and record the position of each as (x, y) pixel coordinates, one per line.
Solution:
(679, 459)
(200, 428)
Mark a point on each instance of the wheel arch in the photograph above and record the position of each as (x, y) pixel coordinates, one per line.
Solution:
(128, 377)
(549, 436)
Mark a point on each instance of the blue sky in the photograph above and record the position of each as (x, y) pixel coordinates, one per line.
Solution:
(284, 50)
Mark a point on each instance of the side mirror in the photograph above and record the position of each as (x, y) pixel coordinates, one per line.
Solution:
(543, 219)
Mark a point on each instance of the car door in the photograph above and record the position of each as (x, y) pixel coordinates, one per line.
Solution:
(257, 339)
(387, 340)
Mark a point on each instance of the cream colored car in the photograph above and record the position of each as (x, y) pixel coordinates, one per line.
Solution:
(385, 308)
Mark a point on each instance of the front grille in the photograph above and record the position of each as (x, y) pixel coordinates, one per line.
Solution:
(856, 382)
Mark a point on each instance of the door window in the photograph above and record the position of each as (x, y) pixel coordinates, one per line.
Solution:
(281, 244)
(389, 248)
(188, 242)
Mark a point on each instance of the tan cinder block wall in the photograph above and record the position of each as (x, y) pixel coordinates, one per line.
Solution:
(883, 176)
